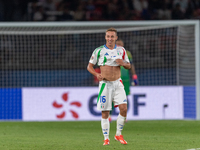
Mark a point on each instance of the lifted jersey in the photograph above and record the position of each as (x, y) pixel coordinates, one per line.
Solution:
(105, 56)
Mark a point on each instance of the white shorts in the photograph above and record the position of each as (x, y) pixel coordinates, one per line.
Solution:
(110, 91)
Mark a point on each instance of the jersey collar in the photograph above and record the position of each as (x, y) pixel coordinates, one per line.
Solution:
(108, 48)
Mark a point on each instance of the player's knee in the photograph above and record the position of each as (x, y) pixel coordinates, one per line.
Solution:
(123, 110)
(105, 114)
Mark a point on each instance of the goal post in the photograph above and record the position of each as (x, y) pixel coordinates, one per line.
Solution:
(197, 64)
(54, 54)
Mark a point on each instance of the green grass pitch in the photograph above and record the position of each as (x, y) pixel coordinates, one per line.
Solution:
(87, 135)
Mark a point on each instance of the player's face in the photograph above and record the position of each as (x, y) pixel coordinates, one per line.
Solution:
(110, 37)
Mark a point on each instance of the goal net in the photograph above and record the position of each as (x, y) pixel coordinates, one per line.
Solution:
(57, 54)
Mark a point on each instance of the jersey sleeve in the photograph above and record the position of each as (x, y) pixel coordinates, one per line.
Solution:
(93, 58)
(125, 56)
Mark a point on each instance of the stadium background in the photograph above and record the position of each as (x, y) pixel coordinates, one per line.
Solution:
(34, 60)
(101, 10)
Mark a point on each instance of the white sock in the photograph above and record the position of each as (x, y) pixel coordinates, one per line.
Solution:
(120, 124)
(105, 125)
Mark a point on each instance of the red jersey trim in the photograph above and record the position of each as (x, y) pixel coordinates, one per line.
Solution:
(123, 56)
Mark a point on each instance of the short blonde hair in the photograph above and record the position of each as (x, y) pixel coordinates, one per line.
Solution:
(112, 29)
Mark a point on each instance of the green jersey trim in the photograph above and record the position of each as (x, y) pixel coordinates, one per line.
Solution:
(101, 90)
(100, 47)
(99, 51)
(104, 61)
(98, 55)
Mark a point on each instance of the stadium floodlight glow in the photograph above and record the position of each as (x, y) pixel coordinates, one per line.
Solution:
(169, 47)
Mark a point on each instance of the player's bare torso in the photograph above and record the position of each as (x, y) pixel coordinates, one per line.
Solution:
(110, 73)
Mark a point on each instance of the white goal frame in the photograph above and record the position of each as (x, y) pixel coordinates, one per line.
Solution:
(128, 23)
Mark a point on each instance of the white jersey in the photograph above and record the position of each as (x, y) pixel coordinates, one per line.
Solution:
(105, 56)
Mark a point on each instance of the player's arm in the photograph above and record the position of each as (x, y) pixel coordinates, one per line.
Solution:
(126, 65)
(125, 61)
(134, 75)
(90, 68)
(134, 79)
(133, 69)
(133, 72)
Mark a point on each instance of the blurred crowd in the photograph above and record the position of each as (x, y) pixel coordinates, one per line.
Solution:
(98, 10)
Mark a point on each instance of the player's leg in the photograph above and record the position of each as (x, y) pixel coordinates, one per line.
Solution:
(110, 115)
(104, 103)
(120, 123)
(105, 125)
(120, 99)
(121, 118)
(126, 84)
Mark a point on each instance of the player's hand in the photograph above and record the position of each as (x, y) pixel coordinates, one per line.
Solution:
(99, 77)
(119, 62)
(134, 80)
